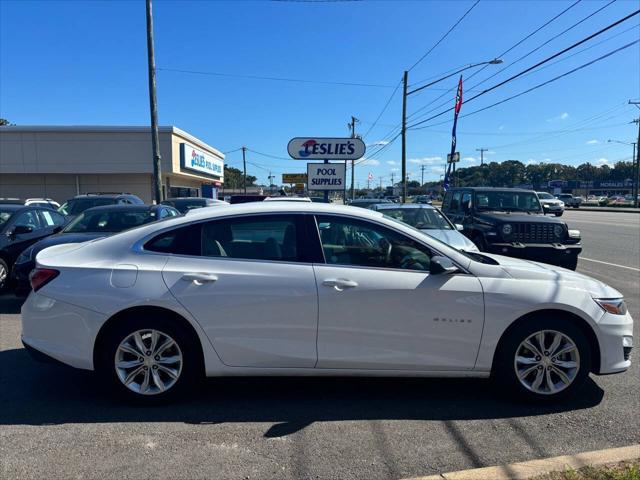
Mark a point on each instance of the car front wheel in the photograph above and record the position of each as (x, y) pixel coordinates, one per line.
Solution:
(544, 360)
(148, 361)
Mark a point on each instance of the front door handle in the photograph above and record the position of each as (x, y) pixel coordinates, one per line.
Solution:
(339, 283)
(199, 278)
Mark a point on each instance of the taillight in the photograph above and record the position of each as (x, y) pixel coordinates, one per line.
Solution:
(39, 277)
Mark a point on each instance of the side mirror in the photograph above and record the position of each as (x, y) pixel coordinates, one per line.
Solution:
(21, 229)
(57, 229)
(440, 265)
(459, 227)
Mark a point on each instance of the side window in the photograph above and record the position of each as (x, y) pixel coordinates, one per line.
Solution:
(347, 241)
(28, 219)
(51, 219)
(446, 201)
(179, 241)
(466, 201)
(272, 237)
(455, 202)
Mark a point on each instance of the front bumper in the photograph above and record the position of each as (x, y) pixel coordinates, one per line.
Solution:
(552, 253)
(613, 332)
(60, 330)
(553, 208)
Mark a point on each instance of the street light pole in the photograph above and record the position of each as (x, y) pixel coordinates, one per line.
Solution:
(634, 164)
(405, 94)
(153, 102)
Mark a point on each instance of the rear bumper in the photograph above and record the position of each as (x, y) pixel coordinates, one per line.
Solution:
(539, 252)
(60, 330)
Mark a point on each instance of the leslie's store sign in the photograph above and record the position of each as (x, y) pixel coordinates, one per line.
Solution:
(193, 159)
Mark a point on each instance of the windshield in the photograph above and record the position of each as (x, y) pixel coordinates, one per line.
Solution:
(546, 196)
(420, 218)
(5, 215)
(108, 221)
(507, 201)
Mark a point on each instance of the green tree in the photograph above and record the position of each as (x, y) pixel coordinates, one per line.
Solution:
(4, 122)
(233, 178)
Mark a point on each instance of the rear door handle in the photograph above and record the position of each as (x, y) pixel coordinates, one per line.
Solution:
(339, 283)
(199, 278)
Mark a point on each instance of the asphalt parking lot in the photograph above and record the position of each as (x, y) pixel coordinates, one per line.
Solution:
(58, 423)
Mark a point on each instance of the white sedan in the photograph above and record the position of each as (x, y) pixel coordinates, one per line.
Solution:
(296, 288)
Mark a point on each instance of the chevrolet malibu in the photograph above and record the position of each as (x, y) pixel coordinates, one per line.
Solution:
(297, 288)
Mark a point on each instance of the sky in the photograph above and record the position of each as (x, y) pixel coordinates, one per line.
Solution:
(84, 63)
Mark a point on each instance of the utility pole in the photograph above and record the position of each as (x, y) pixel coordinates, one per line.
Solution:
(244, 167)
(380, 183)
(153, 102)
(482, 150)
(405, 81)
(422, 170)
(636, 161)
(393, 176)
(352, 126)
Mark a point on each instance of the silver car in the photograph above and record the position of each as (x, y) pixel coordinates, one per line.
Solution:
(551, 204)
(430, 220)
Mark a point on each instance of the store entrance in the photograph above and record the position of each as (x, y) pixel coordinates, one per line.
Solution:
(183, 192)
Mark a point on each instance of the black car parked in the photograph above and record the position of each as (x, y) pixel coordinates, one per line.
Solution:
(78, 204)
(93, 223)
(20, 227)
(511, 222)
(184, 204)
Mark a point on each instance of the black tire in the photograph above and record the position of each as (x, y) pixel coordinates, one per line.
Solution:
(558, 214)
(480, 242)
(4, 277)
(504, 369)
(191, 365)
(570, 264)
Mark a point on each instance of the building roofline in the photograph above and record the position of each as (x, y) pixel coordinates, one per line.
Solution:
(111, 128)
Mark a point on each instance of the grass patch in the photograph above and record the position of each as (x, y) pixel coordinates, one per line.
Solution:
(621, 471)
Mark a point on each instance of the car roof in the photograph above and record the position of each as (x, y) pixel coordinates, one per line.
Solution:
(123, 208)
(491, 189)
(393, 206)
(13, 207)
(103, 195)
(172, 199)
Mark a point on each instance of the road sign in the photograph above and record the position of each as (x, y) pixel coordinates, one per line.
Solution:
(319, 148)
(456, 157)
(294, 178)
(325, 176)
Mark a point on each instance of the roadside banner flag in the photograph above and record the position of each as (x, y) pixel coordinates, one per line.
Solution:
(456, 111)
(370, 177)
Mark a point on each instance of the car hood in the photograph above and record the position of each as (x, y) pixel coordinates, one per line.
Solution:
(504, 217)
(528, 270)
(453, 238)
(62, 238)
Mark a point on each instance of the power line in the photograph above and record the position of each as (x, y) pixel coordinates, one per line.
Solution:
(386, 105)
(278, 79)
(542, 62)
(548, 22)
(444, 36)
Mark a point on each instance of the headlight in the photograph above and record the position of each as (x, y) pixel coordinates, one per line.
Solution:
(612, 305)
(574, 233)
(561, 204)
(25, 256)
(558, 231)
(507, 229)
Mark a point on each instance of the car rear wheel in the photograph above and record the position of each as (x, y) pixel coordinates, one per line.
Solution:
(558, 214)
(543, 360)
(148, 361)
(4, 274)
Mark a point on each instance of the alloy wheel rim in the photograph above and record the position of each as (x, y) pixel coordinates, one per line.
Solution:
(3, 274)
(547, 362)
(148, 362)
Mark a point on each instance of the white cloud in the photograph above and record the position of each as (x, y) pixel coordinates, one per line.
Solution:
(379, 142)
(437, 170)
(592, 142)
(392, 162)
(562, 116)
(394, 169)
(470, 159)
(501, 127)
(370, 161)
(603, 161)
(426, 160)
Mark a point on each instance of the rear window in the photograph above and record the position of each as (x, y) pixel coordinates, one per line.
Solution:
(179, 241)
(80, 205)
(109, 221)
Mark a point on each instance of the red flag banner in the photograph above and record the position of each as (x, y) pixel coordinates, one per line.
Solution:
(459, 97)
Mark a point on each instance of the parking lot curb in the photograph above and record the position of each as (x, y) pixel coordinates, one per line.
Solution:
(605, 209)
(534, 468)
